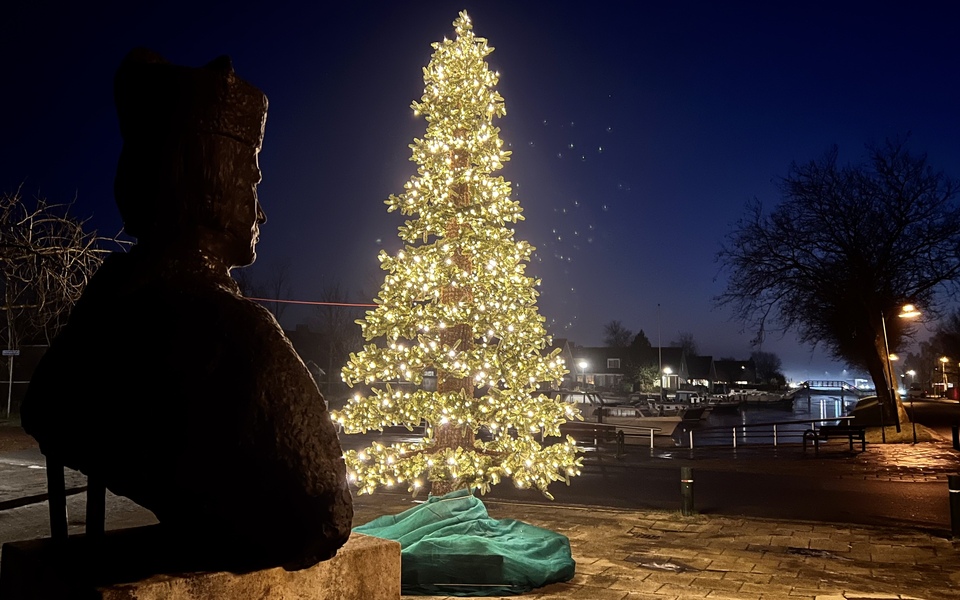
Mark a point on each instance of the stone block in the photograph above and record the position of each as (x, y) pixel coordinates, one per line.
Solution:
(365, 568)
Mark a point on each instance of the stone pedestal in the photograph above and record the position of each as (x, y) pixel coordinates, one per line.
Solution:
(126, 564)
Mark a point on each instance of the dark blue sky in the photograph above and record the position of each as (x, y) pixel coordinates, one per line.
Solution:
(639, 129)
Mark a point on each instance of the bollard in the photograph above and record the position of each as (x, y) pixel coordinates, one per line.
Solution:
(956, 436)
(686, 491)
(953, 483)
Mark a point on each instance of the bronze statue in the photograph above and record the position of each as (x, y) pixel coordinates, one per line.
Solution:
(166, 383)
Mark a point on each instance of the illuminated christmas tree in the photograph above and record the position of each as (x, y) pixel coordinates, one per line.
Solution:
(455, 302)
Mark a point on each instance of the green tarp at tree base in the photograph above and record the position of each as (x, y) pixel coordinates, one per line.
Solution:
(450, 546)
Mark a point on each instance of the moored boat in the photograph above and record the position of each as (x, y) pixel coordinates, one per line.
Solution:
(596, 408)
(757, 398)
(688, 405)
(722, 403)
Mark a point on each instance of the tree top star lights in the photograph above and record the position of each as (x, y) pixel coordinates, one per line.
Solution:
(455, 302)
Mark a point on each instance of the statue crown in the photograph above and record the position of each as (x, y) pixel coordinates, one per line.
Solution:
(156, 99)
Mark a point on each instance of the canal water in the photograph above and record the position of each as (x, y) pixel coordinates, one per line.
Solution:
(717, 428)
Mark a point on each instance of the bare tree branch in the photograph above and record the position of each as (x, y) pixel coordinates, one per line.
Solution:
(846, 247)
(46, 259)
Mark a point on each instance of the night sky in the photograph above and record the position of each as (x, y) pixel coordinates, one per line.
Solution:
(639, 130)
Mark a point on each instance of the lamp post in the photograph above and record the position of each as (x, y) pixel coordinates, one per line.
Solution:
(888, 375)
(664, 376)
(583, 373)
(943, 369)
(908, 311)
(913, 415)
(660, 352)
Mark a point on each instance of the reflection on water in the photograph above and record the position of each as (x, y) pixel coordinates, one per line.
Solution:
(806, 407)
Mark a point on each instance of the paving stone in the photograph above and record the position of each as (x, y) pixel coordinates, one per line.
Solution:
(682, 591)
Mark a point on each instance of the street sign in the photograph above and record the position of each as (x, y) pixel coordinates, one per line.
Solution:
(11, 353)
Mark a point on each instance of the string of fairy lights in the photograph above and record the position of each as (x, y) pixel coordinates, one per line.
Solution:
(458, 238)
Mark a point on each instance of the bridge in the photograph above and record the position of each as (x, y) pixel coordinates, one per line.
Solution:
(834, 384)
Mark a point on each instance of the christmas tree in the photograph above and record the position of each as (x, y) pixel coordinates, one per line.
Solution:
(455, 302)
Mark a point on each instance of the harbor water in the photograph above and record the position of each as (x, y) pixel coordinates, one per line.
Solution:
(754, 424)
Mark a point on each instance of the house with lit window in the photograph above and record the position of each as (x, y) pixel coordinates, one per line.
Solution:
(702, 372)
(600, 368)
(605, 368)
(675, 370)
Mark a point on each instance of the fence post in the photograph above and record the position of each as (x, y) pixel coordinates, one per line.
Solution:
(651, 438)
(953, 485)
(691, 439)
(734, 437)
(686, 491)
(774, 435)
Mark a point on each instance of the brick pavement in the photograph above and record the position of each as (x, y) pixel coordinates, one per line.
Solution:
(649, 555)
(646, 555)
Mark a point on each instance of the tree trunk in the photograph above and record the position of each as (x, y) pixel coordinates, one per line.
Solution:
(460, 336)
(894, 412)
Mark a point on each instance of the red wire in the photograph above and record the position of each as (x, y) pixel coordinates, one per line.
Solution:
(310, 302)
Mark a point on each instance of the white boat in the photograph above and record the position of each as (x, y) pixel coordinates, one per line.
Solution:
(722, 402)
(763, 399)
(595, 408)
(688, 405)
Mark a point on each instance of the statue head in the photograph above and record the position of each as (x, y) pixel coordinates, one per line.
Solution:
(188, 171)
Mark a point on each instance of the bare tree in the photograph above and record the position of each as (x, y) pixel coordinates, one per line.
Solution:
(687, 343)
(767, 366)
(844, 250)
(615, 335)
(46, 260)
(278, 286)
(337, 324)
(249, 288)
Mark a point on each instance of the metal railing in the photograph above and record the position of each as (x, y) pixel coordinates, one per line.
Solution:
(620, 431)
(774, 431)
(835, 384)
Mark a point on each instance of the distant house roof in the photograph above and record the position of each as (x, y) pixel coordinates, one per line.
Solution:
(597, 358)
(672, 357)
(701, 367)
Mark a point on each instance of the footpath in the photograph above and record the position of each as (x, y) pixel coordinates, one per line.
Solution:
(655, 555)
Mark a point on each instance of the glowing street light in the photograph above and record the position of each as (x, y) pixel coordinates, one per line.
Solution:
(664, 378)
(583, 371)
(909, 311)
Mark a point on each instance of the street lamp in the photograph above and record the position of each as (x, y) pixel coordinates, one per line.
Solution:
(666, 372)
(913, 414)
(943, 369)
(583, 372)
(659, 353)
(908, 311)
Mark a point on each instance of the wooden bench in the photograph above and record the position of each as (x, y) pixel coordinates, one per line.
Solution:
(827, 432)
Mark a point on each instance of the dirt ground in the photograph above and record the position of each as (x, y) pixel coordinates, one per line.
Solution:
(13, 437)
